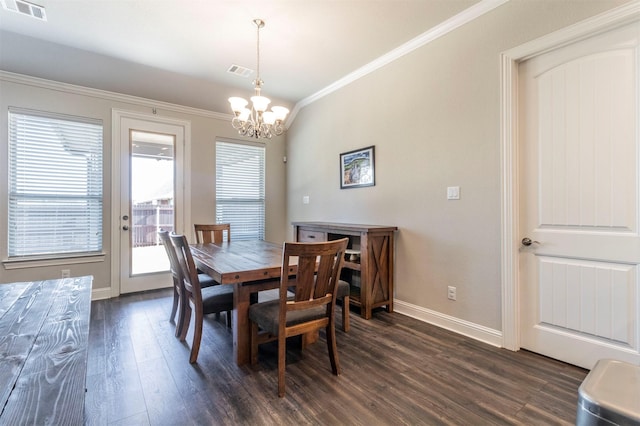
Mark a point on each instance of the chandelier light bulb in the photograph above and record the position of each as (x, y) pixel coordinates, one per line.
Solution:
(237, 104)
(269, 118)
(244, 114)
(280, 112)
(260, 103)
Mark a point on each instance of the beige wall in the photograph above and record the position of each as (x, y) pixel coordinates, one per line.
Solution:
(433, 117)
(204, 130)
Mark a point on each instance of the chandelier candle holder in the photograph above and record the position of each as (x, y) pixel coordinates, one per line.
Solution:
(257, 122)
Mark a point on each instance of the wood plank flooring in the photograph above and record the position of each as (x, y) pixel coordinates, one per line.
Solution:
(395, 371)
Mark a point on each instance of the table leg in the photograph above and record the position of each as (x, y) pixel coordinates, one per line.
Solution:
(240, 327)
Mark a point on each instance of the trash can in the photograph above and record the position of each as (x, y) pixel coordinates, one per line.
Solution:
(610, 395)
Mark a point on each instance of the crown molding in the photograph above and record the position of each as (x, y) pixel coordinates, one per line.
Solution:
(432, 34)
(112, 96)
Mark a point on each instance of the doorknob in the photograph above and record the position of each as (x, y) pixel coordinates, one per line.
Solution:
(526, 241)
(125, 228)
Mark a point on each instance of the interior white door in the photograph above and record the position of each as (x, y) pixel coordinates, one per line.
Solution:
(578, 195)
(150, 200)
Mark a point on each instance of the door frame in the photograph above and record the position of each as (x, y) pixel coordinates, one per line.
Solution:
(509, 63)
(117, 117)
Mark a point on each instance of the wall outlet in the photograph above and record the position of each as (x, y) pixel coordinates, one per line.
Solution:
(66, 273)
(305, 199)
(451, 292)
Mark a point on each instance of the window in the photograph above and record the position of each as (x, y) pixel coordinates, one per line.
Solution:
(55, 185)
(240, 188)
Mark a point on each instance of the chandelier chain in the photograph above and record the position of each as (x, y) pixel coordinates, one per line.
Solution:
(258, 52)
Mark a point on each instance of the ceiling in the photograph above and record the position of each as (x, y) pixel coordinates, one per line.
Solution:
(306, 45)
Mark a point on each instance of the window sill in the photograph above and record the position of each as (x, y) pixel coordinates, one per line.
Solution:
(38, 262)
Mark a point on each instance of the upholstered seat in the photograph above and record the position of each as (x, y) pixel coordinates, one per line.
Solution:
(267, 316)
(217, 298)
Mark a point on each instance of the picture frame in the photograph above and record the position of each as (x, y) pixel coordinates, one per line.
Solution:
(357, 168)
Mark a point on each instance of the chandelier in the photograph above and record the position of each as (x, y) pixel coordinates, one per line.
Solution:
(257, 122)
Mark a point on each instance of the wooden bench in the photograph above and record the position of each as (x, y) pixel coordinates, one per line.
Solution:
(44, 332)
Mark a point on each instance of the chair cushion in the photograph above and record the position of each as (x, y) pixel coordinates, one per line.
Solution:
(265, 314)
(218, 298)
(343, 289)
(206, 280)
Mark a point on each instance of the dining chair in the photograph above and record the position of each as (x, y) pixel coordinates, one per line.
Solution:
(203, 301)
(312, 306)
(212, 233)
(174, 267)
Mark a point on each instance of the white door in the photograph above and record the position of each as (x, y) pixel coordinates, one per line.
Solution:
(150, 199)
(578, 191)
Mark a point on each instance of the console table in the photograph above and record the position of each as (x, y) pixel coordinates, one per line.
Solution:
(368, 265)
(44, 333)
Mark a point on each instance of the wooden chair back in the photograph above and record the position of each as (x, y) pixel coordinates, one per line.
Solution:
(188, 270)
(316, 279)
(212, 233)
(174, 266)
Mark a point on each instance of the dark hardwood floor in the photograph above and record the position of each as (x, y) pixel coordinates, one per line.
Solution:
(395, 370)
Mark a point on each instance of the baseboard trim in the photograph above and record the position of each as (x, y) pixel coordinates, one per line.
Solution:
(101, 293)
(475, 331)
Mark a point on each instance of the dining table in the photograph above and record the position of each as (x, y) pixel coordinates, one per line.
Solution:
(250, 266)
(44, 345)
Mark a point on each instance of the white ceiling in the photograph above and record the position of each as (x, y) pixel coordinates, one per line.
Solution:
(305, 46)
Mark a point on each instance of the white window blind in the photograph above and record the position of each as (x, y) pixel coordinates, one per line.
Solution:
(55, 184)
(240, 175)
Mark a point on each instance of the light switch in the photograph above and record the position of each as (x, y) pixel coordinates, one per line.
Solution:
(305, 199)
(453, 193)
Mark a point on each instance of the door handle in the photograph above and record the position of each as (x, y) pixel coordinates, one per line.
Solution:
(125, 228)
(526, 241)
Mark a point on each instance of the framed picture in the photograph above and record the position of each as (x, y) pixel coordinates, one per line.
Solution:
(357, 168)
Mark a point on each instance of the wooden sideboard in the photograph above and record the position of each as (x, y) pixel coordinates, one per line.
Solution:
(44, 335)
(369, 262)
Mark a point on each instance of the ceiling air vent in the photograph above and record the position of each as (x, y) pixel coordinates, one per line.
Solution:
(25, 8)
(241, 71)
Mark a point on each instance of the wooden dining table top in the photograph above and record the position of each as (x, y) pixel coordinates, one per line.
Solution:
(240, 261)
(44, 338)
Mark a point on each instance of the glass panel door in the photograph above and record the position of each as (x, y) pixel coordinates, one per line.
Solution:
(152, 199)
